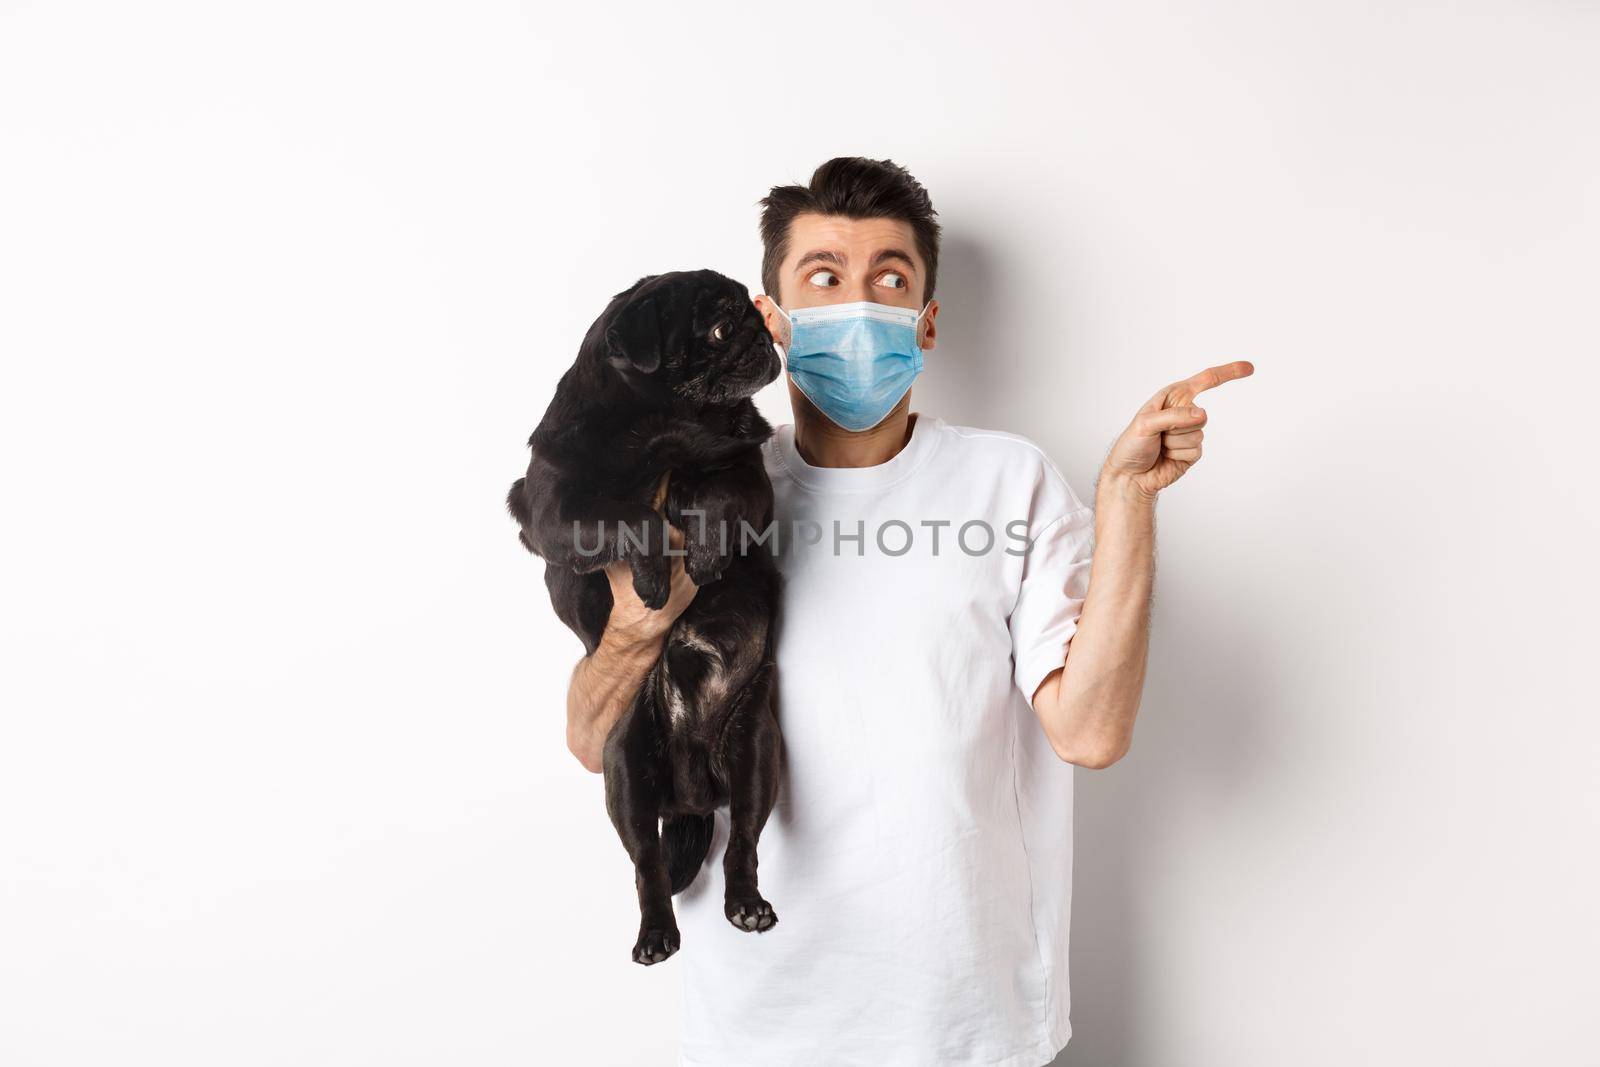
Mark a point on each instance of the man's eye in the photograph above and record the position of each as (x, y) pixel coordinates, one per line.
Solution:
(894, 279)
(719, 332)
(824, 279)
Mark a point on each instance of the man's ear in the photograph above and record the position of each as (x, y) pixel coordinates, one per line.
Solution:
(777, 328)
(930, 332)
(633, 339)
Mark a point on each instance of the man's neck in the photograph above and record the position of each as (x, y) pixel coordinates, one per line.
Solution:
(823, 444)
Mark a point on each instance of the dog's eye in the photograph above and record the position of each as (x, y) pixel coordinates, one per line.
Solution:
(719, 332)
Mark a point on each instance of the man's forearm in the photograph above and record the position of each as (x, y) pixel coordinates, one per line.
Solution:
(1088, 708)
(603, 685)
(604, 682)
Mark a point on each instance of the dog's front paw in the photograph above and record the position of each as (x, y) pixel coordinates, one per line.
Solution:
(704, 564)
(652, 581)
(752, 913)
(654, 946)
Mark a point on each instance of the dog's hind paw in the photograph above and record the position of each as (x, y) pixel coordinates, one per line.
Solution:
(654, 946)
(755, 915)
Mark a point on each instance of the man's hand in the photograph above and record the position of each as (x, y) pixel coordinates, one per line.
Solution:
(1163, 441)
(631, 623)
(604, 683)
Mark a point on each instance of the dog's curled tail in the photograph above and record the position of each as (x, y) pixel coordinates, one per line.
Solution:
(686, 839)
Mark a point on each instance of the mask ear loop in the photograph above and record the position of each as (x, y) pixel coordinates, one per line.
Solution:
(916, 321)
(788, 322)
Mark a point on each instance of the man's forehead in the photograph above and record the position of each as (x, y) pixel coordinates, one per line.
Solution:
(849, 238)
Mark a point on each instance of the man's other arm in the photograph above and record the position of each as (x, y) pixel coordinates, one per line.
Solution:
(1087, 707)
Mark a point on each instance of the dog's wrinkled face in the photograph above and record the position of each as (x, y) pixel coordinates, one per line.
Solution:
(690, 336)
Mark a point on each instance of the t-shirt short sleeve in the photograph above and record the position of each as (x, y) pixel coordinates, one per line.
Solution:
(1055, 581)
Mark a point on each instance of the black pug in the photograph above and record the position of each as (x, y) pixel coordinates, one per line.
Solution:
(661, 389)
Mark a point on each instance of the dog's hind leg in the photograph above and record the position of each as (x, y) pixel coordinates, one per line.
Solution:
(753, 751)
(635, 779)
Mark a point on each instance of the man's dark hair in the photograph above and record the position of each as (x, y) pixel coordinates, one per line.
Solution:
(856, 188)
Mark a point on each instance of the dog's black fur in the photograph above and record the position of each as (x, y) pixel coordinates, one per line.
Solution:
(662, 383)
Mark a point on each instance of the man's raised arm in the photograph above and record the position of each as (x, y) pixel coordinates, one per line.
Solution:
(1087, 707)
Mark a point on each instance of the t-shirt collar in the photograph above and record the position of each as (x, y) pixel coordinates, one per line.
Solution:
(895, 469)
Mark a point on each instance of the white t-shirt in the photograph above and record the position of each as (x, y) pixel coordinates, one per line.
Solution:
(919, 857)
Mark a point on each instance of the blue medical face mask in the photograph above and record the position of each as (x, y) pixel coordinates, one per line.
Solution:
(854, 361)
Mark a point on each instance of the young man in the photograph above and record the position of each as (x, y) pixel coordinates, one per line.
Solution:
(920, 853)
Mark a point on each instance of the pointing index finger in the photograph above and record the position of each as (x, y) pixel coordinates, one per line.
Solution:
(1212, 377)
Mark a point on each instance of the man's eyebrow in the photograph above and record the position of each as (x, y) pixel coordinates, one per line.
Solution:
(825, 255)
(820, 255)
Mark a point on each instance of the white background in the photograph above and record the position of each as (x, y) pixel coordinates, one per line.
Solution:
(283, 289)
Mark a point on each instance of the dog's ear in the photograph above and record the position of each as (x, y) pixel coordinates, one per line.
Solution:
(633, 337)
